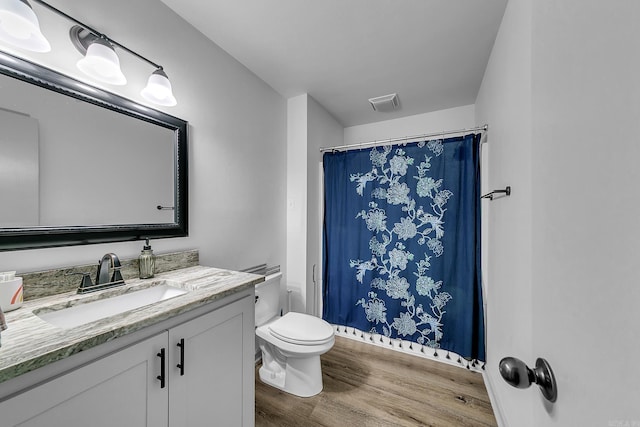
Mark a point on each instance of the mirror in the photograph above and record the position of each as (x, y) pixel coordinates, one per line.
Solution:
(80, 165)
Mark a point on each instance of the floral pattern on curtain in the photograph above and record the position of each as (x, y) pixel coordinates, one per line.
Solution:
(402, 243)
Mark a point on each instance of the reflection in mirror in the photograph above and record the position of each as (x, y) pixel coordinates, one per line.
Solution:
(96, 166)
(19, 186)
(80, 165)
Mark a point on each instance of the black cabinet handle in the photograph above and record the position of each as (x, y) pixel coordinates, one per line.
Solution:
(161, 377)
(181, 364)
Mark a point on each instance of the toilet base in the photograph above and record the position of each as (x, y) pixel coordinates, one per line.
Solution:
(298, 376)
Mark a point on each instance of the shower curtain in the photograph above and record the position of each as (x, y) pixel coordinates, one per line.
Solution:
(402, 243)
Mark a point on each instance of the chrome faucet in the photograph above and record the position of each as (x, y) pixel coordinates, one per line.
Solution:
(105, 278)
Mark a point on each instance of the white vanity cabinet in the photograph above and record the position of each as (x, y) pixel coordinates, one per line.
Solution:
(117, 390)
(196, 373)
(214, 382)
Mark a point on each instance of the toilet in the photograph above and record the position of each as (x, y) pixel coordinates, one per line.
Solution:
(291, 345)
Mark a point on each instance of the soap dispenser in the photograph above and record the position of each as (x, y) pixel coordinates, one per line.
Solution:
(147, 261)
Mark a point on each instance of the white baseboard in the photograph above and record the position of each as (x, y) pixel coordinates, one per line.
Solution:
(495, 403)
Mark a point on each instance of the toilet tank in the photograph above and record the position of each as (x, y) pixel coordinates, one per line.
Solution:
(268, 298)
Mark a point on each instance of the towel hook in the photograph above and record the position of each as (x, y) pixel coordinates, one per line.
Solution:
(506, 192)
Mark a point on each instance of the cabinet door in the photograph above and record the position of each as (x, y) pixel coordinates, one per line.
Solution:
(217, 385)
(118, 390)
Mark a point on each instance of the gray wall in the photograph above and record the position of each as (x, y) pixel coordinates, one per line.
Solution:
(323, 131)
(309, 127)
(237, 145)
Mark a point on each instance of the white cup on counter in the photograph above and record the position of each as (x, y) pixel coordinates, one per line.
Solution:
(11, 293)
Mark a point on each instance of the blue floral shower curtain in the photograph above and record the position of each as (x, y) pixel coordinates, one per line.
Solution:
(402, 243)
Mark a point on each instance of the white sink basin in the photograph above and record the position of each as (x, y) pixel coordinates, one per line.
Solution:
(88, 312)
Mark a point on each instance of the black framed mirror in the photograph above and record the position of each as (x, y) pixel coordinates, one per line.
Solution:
(91, 166)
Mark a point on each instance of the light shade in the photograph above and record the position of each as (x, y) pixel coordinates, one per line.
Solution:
(19, 26)
(158, 89)
(102, 63)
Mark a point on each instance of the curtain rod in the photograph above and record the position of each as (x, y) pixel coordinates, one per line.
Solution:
(382, 142)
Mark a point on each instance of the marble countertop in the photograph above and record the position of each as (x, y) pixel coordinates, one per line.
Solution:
(30, 342)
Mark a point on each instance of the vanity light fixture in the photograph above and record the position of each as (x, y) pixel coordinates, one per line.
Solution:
(19, 26)
(100, 59)
(158, 89)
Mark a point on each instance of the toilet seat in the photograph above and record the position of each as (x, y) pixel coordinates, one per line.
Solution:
(301, 329)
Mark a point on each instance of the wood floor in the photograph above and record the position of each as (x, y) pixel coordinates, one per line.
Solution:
(371, 386)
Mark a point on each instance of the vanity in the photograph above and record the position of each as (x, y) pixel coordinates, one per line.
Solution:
(175, 350)
(184, 360)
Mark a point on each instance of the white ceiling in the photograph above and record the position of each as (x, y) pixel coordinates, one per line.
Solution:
(433, 53)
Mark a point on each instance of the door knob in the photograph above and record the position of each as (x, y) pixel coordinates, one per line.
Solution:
(518, 374)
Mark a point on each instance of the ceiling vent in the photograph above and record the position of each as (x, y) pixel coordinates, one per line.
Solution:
(385, 103)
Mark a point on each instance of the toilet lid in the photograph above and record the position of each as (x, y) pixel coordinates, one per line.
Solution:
(303, 329)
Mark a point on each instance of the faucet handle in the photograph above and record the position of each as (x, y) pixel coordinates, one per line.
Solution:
(86, 280)
(116, 277)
